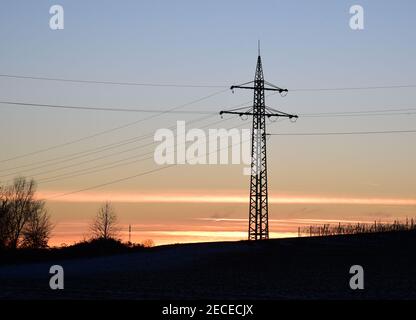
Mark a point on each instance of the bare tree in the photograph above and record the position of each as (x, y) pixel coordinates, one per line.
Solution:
(21, 194)
(38, 228)
(5, 218)
(148, 243)
(18, 210)
(104, 225)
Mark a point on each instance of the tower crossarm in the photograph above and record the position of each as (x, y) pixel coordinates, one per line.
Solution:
(267, 87)
(270, 112)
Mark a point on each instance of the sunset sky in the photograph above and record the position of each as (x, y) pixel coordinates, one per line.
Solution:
(211, 45)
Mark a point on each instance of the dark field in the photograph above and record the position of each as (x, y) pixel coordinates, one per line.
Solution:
(298, 268)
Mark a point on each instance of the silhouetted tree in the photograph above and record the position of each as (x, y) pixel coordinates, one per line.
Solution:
(104, 225)
(18, 211)
(21, 195)
(148, 243)
(38, 228)
(5, 218)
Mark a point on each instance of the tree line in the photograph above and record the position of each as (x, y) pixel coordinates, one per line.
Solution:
(25, 222)
(358, 228)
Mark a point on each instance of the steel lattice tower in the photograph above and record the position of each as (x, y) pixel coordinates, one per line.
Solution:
(258, 211)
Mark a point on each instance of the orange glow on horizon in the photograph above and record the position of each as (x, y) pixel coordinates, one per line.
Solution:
(206, 226)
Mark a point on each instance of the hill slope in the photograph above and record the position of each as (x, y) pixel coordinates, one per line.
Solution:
(298, 268)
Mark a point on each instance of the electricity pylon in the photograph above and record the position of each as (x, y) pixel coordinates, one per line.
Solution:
(258, 211)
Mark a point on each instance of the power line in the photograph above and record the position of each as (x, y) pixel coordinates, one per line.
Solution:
(341, 133)
(106, 166)
(86, 153)
(111, 165)
(100, 157)
(360, 111)
(120, 143)
(85, 171)
(372, 113)
(112, 129)
(111, 182)
(76, 164)
(27, 104)
(378, 112)
(133, 176)
(106, 147)
(141, 84)
(176, 85)
(355, 88)
(77, 155)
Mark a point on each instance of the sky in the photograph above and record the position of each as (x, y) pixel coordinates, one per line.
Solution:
(213, 44)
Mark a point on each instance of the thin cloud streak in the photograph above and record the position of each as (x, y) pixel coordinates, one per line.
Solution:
(286, 221)
(126, 197)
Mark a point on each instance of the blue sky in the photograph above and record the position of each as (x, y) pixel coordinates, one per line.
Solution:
(305, 44)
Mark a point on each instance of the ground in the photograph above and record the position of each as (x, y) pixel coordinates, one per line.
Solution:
(298, 268)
